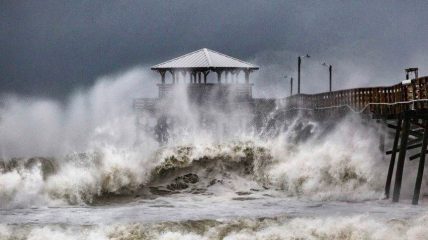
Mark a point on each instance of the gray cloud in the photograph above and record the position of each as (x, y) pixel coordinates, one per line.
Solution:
(48, 48)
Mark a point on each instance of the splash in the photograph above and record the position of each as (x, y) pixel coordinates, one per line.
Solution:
(101, 115)
(334, 169)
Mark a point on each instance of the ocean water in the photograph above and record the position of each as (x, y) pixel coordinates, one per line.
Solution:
(75, 170)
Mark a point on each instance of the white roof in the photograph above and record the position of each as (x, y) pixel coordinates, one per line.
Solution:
(204, 58)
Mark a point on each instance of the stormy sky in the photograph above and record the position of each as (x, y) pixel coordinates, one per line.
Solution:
(50, 48)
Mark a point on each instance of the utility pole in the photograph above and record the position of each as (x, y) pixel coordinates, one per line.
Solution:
(330, 69)
(299, 63)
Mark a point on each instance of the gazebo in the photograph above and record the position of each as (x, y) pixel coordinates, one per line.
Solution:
(223, 91)
(202, 62)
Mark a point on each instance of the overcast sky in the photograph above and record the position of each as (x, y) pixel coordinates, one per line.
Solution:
(49, 48)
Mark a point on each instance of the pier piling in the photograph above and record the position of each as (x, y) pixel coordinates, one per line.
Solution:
(421, 166)
(393, 154)
(401, 157)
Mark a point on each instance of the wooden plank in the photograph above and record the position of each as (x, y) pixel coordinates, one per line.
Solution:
(408, 148)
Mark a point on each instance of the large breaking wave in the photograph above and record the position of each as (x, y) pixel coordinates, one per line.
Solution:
(327, 167)
(84, 152)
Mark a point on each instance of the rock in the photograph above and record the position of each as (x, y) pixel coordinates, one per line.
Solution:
(177, 186)
(214, 181)
(243, 193)
(243, 198)
(198, 190)
(191, 178)
(158, 191)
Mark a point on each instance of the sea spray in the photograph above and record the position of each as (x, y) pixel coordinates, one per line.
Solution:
(90, 118)
(321, 167)
(342, 164)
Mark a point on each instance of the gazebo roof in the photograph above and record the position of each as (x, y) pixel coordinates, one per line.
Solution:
(204, 59)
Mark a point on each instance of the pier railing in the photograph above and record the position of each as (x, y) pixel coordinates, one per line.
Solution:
(380, 101)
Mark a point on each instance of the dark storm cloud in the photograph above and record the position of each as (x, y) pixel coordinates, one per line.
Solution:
(49, 48)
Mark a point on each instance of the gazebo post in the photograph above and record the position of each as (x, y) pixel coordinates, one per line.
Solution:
(247, 76)
(183, 74)
(205, 76)
(162, 73)
(172, 75)
(190, 76)
(194, 77)
(219, 76)
(199, 77)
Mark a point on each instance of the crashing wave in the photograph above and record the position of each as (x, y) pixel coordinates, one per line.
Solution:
(326, 166)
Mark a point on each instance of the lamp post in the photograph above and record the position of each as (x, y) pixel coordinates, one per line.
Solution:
(330, 70)
(299, 62)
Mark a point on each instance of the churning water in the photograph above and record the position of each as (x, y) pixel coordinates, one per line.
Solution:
(73, 171)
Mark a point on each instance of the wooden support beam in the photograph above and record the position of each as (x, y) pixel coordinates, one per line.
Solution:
(418, 183)
(391, 126)
(392, 161)
(413, 157)
(401, 158)
(408, 148)
(417, 133)
(414, 141)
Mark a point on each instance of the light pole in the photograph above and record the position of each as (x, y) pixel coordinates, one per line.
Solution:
(330, 70)
(299, 62)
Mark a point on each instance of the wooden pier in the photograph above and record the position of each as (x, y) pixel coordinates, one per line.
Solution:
(402, 107)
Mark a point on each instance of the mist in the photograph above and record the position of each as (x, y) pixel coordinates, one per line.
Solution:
(98, 115)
